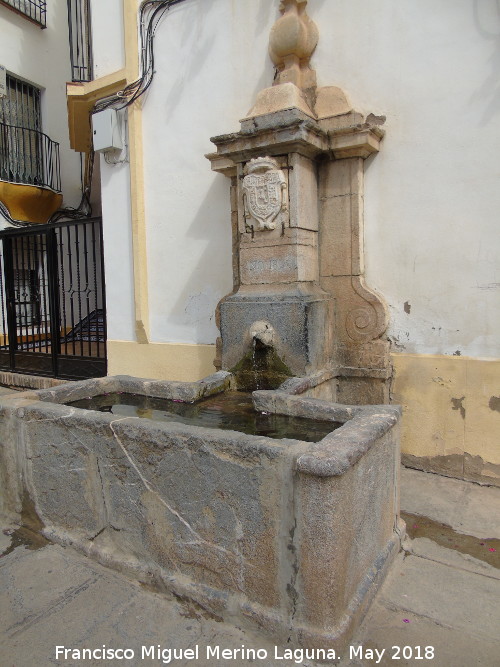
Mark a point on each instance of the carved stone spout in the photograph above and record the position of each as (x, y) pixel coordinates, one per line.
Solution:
(263, 333)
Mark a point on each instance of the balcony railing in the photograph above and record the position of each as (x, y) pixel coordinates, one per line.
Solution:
(80, 40)
(29, 157)
(35, 10)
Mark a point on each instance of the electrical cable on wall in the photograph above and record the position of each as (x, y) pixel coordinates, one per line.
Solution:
(122, 99)
(134, 90)
(84, 208)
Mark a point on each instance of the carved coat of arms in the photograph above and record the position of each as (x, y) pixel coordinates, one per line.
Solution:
(264, 192)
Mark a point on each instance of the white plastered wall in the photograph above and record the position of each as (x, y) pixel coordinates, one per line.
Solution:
(107, 36)
(118, 254)
(210, 61)
(42, 58)
(109, 57)
(431, 195)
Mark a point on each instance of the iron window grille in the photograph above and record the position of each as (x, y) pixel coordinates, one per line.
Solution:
(79, 29)
(21, 105)
(27, 155)
(34, 10)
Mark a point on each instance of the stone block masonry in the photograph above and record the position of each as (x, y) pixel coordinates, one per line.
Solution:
(288, 536)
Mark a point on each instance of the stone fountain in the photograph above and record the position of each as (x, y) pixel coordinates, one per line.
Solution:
(293, 537)
(296, 169)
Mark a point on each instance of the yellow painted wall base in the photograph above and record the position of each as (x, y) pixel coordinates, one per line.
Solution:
(451, 408)
(161, 361)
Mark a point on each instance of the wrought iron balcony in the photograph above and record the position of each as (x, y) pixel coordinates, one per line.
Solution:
(34, 10)
(29, 157)
(80, 40)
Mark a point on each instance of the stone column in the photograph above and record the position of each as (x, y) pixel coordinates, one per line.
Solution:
(361, 319)
(277, 243)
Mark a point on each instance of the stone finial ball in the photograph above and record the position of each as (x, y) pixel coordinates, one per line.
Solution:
(294, 34)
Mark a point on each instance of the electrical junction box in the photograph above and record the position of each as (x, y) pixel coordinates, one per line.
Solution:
(3, 81)
(107, 130)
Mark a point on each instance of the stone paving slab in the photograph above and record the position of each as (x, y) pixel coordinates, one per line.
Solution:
(56, 597)
(385, 630)
(468, 508)
(426, 548)
(433, 597)
(446, 595)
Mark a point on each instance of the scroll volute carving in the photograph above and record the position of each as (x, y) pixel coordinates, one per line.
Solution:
(361, 313)
(366, 318)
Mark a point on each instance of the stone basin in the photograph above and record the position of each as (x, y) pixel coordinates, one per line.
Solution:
(291, 536)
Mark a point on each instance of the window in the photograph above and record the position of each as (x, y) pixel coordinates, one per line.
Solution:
(20, 124)
(80, 40)
(26, 154)
(34, 10)
(21, 105)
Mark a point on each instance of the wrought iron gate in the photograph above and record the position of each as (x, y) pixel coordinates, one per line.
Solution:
(52, 319)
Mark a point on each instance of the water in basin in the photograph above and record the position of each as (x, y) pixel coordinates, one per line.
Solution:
(232, 410)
